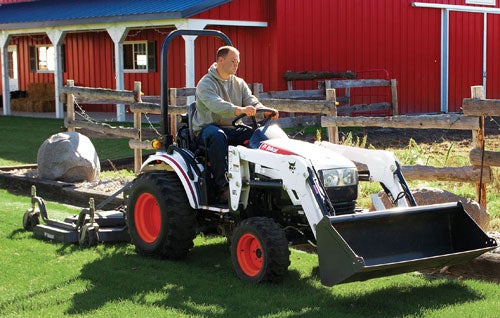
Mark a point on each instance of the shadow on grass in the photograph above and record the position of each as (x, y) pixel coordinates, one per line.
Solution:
(206, 285)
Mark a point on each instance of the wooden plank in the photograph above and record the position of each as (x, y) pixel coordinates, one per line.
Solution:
(457, 174)
(185, 91)
(477, 107)
(348, 110)
(305, 106)
(312, 75)
(360, 83)
(148, 108)
(333, 132)
(443, 121)
(491, 158)
(294, 94)
(137, 92)
(138, 126)
(479, 93)
(152, 108)
(70, 105)
(124, 132)
(151, 99)
(100, 94)
(394, 97)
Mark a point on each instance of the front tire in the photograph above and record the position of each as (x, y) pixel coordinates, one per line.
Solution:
(160, 220)
(259, 250)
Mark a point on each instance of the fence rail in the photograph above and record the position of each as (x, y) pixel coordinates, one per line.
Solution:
(474, 108)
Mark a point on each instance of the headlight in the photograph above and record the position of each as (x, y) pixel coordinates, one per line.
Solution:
(339, 177)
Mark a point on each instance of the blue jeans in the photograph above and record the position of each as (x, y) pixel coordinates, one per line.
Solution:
(216, 140)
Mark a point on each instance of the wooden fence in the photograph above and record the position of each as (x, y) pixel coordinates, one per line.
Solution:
(345, 81)
(475, 109)
(177, 106)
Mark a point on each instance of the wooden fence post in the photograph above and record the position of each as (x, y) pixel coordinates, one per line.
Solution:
(333, 132)
(477, 92)
(173, 118)
(257, 88)
(138, 125)
(70, 106)
(394, 97)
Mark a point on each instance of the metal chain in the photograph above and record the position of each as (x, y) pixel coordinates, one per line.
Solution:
(151, 125)
(494, 121)
(81, 112)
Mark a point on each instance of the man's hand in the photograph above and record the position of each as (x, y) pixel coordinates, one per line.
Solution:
(247, 110)
(274, 115)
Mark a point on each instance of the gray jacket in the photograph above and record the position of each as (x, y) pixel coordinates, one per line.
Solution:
(216, 99)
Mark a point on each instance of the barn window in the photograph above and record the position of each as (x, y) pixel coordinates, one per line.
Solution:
(43, 58)
(139, 56)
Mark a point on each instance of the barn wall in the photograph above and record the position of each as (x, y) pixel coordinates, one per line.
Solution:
(257, 45)
(382, 39)
(372, 36)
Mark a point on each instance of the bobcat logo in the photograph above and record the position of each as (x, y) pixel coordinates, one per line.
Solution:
(291, 166)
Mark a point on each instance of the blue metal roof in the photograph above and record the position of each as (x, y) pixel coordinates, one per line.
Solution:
(41, 13)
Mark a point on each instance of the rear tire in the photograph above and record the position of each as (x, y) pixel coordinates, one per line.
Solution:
(259, 250)
(160, 220)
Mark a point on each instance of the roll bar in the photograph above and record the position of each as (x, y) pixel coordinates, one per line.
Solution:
(166, 135)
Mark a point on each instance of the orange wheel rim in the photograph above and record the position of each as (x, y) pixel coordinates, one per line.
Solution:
(250, 255)
(147, 217)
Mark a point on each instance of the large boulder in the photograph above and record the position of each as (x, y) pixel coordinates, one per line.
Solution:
(427, 196)
(69, 157)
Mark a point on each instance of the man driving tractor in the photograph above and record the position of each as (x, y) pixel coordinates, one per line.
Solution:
(220, 96)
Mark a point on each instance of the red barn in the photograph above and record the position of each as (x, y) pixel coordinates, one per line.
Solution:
(436, 49)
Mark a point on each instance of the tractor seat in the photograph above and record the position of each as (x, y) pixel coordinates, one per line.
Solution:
(199, 150)
(191, 111)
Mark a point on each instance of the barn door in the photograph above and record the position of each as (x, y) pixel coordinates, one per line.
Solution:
(465, 56)
(13, 70)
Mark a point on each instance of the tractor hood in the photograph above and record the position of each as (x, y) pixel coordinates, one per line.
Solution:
(320, 157)
(273, 139)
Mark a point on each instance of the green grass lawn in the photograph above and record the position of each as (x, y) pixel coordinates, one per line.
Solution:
(43, 279)
(52, 279)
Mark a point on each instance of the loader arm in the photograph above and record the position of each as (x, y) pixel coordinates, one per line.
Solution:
(297, 175)
(384, 168)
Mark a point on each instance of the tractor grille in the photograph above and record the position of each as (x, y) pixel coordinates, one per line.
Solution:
(342, 194)
(344, 207)
(343, 198)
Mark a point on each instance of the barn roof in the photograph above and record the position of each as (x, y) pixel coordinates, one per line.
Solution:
(46, 13)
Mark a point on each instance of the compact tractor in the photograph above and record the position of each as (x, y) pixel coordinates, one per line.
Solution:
(284, 192)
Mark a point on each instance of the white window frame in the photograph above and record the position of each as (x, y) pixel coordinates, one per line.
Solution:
(134, 70)
(47, 58)
(483, 2)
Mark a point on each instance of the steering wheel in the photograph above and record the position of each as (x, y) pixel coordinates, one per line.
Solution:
(255, 124)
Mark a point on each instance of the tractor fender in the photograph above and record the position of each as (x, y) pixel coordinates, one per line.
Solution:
(174, 162)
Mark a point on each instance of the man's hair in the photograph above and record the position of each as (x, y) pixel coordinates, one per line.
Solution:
(224, 50)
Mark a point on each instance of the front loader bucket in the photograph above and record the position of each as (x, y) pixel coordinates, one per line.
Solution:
(375, 244)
